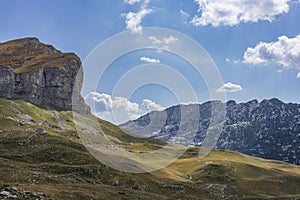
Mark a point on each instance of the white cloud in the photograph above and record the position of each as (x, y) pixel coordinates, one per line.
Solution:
(103, 100)
(236, 61)
(233, 12)
(131, 2)
(298, 75)
(123, 104)
(149, 60)
(284, 52)
(279, 70)
(164, 42)
(232, 61)
(105, 106)
(133, 20)
(229, 87)
(183, 13)
(148, 105)
(170, 39)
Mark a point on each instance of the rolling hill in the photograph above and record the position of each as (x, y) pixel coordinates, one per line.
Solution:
(42, 157)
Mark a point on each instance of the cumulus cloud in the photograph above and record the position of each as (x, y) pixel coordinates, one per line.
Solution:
(230, 13)
(298, 75)
(105, 106)
(133, 20)
(229, 87)
(148, 105)
(104, 101)
(284, 52)
(164, 42)
(149, 60)
(131, 2)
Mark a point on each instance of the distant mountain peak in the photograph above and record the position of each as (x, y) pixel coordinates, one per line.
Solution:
(268, 129)
(230, 103)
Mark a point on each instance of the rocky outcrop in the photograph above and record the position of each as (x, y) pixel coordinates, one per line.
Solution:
(40, 74)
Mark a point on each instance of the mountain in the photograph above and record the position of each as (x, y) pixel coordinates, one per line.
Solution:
(42, 157)
(268, 129)
(40, 74)
(47, 147)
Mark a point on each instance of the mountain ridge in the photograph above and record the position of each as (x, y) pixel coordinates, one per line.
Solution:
(255, 125)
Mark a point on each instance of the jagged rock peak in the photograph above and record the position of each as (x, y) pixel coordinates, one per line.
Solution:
(230, 103)
(40, 74)
(253, 102)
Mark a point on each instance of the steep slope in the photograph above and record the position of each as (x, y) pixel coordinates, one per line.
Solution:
(40, 74)
(269, 129)
(41, 157)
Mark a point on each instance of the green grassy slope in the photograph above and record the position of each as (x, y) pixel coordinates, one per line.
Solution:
(40, 151)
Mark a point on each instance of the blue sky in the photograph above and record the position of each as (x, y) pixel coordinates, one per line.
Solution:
(254, 44)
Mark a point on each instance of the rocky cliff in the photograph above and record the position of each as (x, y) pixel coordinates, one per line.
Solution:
(40, 74)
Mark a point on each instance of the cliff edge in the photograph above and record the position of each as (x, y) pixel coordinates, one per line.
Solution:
(40, 74)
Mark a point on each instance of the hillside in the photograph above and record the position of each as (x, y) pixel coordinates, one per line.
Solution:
(268, 129)
(42, 157)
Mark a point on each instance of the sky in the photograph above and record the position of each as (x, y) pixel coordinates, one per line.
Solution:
(254, 45)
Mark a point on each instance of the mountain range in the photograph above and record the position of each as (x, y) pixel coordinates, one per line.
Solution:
(268, 129)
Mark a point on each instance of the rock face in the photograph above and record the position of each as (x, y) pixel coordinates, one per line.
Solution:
(40, 74)
(268, 129)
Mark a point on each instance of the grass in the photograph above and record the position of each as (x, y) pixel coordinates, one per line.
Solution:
(29, 55)
(57, 164)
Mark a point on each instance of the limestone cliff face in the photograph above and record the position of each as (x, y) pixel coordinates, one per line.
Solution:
(40, 74)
